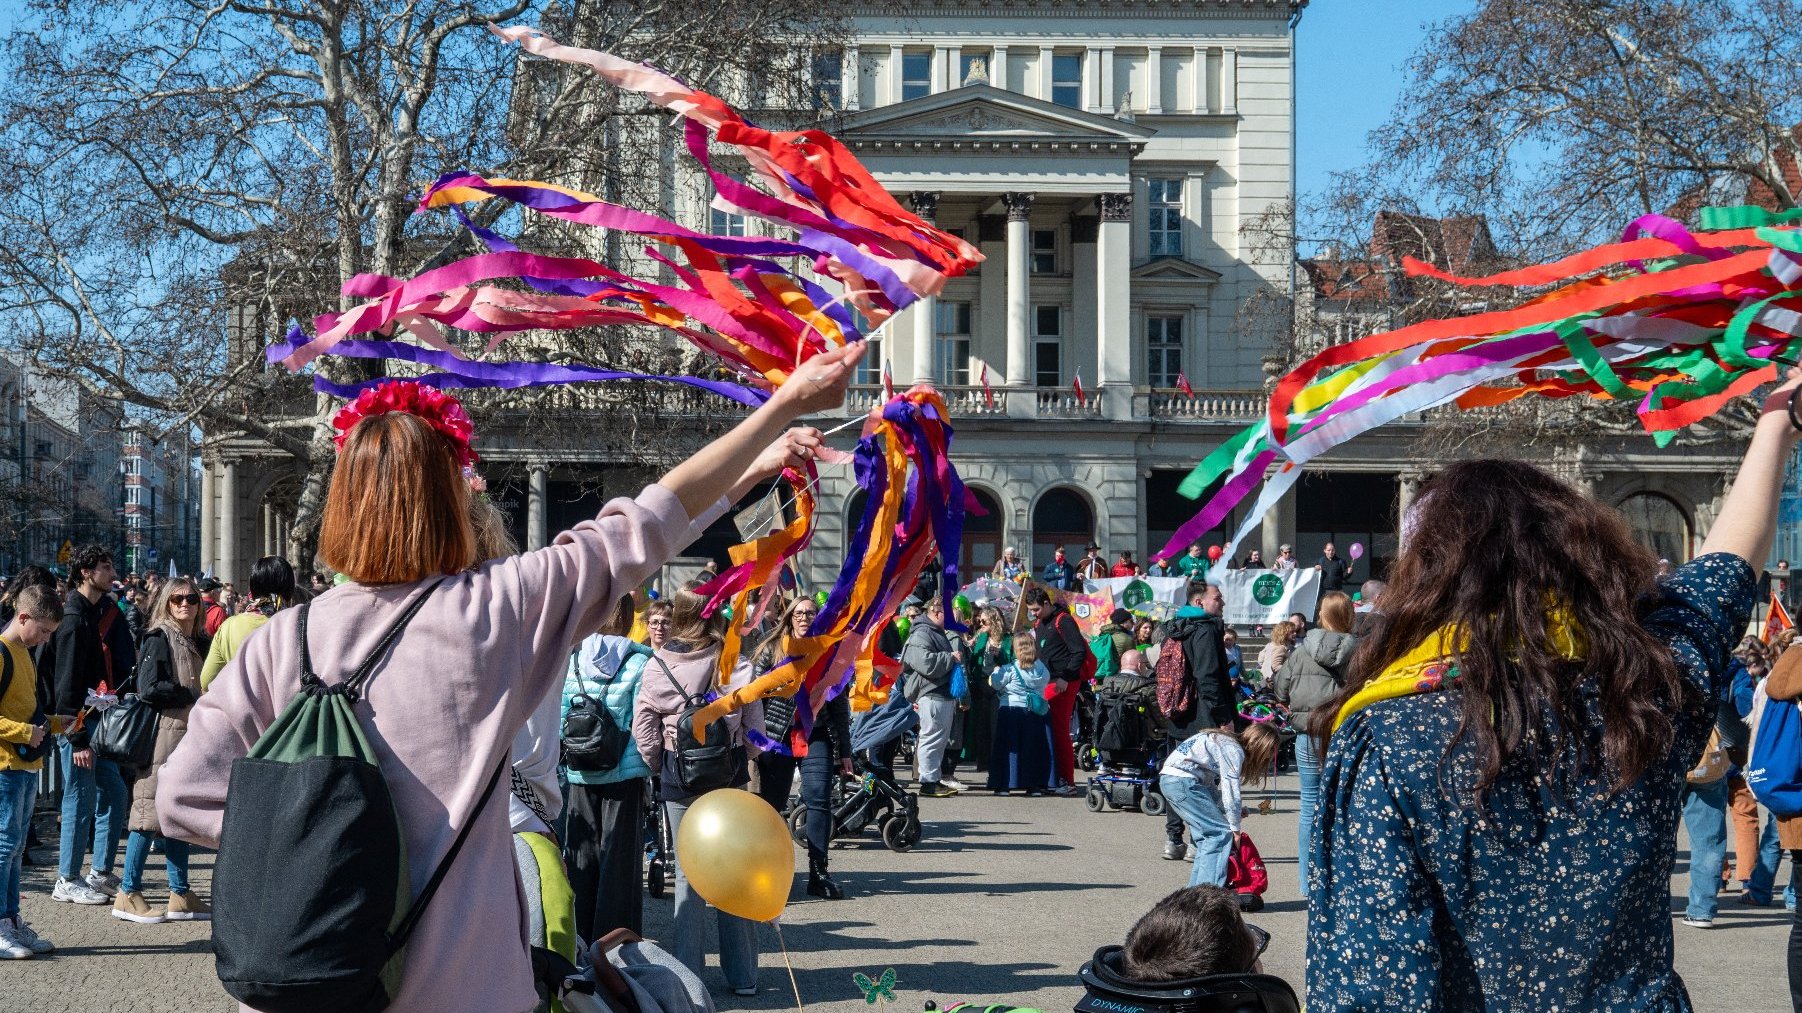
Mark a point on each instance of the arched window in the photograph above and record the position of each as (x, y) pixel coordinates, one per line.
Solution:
(1659, 524)
(1061, 517)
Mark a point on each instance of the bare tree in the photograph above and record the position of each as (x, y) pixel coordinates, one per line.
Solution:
(193, 174)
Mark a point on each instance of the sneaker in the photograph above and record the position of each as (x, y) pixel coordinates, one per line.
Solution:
(185, 907)
(935, 789)
(12, 947)
(131, 907)
(951, 782)
(74, 891)
(747, 991)
(1066, 791)
(103, 882)
(1175, 851)
(1698, 923)
(27, 935)
(1746, 897)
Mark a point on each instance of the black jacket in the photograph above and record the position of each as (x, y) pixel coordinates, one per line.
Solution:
(156, 681)
(77, 663)
(1203, 640)
(1061, 645)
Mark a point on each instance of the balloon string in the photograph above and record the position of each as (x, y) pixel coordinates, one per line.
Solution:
(789, 964)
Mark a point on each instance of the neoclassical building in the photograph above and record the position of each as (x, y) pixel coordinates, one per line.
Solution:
(1111, 160)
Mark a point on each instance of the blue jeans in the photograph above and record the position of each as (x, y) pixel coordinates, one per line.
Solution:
(94, 795)
(738, 936)
(1199, 806)
(1764, 871)
(18, 790)
(137, 853)
(1705, 817)
(1307, 768)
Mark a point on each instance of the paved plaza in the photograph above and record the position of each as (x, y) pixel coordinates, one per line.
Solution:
(1001, 902)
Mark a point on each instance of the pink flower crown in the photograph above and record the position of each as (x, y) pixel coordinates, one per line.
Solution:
(436, 408)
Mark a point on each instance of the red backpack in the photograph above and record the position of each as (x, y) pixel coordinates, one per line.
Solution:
(1176, 691)
(1245, 872)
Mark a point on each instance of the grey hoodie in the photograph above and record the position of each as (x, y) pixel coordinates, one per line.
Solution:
(1314, 673)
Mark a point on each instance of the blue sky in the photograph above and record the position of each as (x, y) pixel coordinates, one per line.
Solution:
(1349, 68)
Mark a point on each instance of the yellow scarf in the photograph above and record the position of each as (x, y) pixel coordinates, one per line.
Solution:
(1429, 666)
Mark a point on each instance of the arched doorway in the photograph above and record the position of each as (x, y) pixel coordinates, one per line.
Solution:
(982, 537)
(1061, 517)
(1659, 524)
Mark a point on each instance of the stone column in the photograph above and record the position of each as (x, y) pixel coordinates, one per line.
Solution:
(228, 522)
(1023, 401)
(1107, 81)
(895, 54)
(208, 506)
(1113, 310)
(1229, 82)
(1279, 525)
(1092, 99)
(998, 68)
(925, 311)
(1154, 80)
(537, 500)
(1407, 488)
(1045, 78)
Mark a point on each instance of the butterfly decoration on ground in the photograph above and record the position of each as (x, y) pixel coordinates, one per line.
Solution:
(884, 988)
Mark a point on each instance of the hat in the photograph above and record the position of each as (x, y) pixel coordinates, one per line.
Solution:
(1094, 547)
(210, 584)
(1120, 617)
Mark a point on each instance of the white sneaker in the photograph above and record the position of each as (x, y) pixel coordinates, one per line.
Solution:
(103, 882)
(25, 934)
(953, 783)
(70, 891)
(11, 948)
(1698, 923)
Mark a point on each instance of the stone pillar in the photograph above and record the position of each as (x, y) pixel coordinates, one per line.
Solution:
(1084, 229)
(1279, 525)
(998, 68)
(1113, 311)
(1093, 101)
(990, 339)
(941, 70)
(895, 54)
(1154, 80)
(1229, 82)
(228, 522)
(850, 78)
(208, 506)
(537, 500)
(270, 524)
(925, 311)
(1107, 81)
(1023, 401)
(1045, 55)
(1407, 488)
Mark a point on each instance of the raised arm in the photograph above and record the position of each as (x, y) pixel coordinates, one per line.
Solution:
(1748, 519)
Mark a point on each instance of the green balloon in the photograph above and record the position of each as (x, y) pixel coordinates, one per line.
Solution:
(903, 625)
(819, 598)
(960, 603)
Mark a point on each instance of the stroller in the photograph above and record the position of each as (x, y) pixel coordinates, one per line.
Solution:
(660, 847)
(872, 796)
(1130, 746)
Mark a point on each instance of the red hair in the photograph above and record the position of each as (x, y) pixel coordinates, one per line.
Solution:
(398, 508)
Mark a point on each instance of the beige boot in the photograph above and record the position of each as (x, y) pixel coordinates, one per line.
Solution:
(185, 907)
(131, 907)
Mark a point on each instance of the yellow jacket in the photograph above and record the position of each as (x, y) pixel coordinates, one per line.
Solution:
(17, 708)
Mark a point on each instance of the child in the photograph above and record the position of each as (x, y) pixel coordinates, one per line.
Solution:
(1191, 934)
(1201, 781)
(22, 731)
(1022, 752)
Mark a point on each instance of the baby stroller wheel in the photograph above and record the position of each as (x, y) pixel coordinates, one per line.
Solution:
(1153, 803)
(797, 824)
(653, 878)
(900, 833)
(1096, 800)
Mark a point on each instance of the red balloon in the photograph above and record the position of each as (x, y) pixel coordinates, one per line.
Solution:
(1213, 553)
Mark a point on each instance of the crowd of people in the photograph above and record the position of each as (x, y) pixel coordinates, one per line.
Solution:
(1464, 735)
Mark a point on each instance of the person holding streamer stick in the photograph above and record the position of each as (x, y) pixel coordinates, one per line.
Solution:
(441, 710)
(1504, 767)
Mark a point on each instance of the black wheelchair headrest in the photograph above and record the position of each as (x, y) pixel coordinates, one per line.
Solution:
(1111, 991)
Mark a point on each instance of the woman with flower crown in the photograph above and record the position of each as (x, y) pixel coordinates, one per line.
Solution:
(487, 645)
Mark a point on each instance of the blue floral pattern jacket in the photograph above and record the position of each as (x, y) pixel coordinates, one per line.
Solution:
(1556, 896)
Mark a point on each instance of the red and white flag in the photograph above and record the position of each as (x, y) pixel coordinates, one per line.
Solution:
(988, 393)
(1182, 384)
(1777, 620)
(1081, 398)
(888, 382)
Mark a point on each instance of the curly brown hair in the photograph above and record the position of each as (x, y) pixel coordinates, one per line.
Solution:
(1491, 544)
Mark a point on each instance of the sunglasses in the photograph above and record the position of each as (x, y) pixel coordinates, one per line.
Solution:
(1260, 937)
(184, 599)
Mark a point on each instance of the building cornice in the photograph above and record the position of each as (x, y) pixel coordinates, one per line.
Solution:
(1000, 145)
(1273, 9)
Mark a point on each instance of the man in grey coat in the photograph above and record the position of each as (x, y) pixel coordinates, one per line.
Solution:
(926, 666)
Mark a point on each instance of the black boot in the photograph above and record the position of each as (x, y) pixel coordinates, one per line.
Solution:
(819, 884)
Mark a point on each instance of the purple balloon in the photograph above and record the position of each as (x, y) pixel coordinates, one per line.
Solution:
(1357, 550)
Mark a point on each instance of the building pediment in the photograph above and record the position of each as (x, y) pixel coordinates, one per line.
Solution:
(1175, 269)
(980, 116)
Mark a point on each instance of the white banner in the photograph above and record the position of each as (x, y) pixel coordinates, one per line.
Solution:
(1157, 597)
(1265, 597)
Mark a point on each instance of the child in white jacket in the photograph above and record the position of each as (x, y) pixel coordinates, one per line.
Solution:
(1200, 781)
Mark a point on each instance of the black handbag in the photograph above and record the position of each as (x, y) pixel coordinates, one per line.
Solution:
(126, 733)
(593, 742)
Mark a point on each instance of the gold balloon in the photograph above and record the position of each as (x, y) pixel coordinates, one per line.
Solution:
(736, 853)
